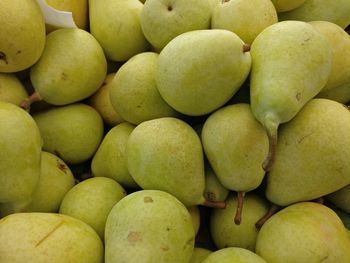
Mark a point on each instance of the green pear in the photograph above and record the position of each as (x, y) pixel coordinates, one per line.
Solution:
(48, 237)
(11, 89)
(116, 26)
(71, 68)
(292, 62)
(163, 20)
(72, 132)
(287, 5)
(214, 190)
(91, 201)
(20, 156)
(245, 18)
(199, 254)
(197, 81)
(340, 45)
(227, 234)
(312, 157)
(341, 198)
(149, 226)
(233, 254)
(134, 94)
(110, 157)
(235, 144)
(340, 94)
(335, 11)
(196, 218)
(304, 232)
(166, 154)
(56, 179)
(101, 102)
(22, 34)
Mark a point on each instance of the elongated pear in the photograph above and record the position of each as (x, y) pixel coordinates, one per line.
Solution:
(292, 62)
(11, 89)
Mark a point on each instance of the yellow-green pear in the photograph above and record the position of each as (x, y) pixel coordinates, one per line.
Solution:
(116, 26)
(55, 180)
(11, 89)
(48, 237)
(71, 68)
(341, 198)
(214, 190)
(291, 63)
(197, 81)
(196, 217)
(199, 254)
(72, 132)
(22, 34)
(287, 5)
(335, 11)
(163, 20)
(91, 201)
(245, 18)
(226, 233)
(233, 254)
(304, 232)
(110, 157)
(133, 92)
(312, 156)
(149, 226)
(20, 156)
(340, 94)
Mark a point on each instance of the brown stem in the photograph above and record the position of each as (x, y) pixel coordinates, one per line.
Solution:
(246, 47)
(272, 210)
(25, 104)
(214, 204)
(240, 199)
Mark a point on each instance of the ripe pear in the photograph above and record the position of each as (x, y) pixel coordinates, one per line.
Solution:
(71, 68)
(304, 232)
(20, 156)
(166, 154)
(292, 62)
(91, 201)
(214, 190)
(48, 237)
(116, 26)
(336, 11)
(197, 81)
(341, 198)
(11, 89)
(340, 94)
(233, 15)
(149, 226)
(227, 234)
(110, 157)
(22, 34)
(312, 156)
(196, 218)
(163, 20)
(233, 254)
(133, 92)
(72, 132)
(287, 5)
(199, 254)
(55, 180)
(235, 144)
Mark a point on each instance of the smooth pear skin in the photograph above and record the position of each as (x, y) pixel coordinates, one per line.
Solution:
(149, 226)
(341, 198)
(199, 254)
(11, 89)
(233, 254)
(304, 232)
(287, 5)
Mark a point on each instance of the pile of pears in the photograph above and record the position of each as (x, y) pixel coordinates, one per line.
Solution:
(175, 131)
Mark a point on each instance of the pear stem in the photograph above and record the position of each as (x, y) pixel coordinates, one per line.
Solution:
(246, 47)
(271, 130)
(272, 210)
(25, 104)
(240, 199)
(214, 204)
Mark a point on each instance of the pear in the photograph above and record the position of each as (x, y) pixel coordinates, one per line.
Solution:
(56, 179)
(312, 157)
(66, 72)
(233, 15)
(196, 218)
(116, 26)
(48, 237)
(20, 156)
(214, 190)
(233, 254)
(227, 234)
(72, 132)
(149, 226)
(22, 34)
(101, 102)
(163, 20)
(197, 81)
(292, 62)
(235, 144)
(91, 201)
(336, 11)
(341, 198)
(11, 89)
(199, 254)
(301, 233)
(340, 94)
(287, 5)
(133, 92)
(110, 157)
